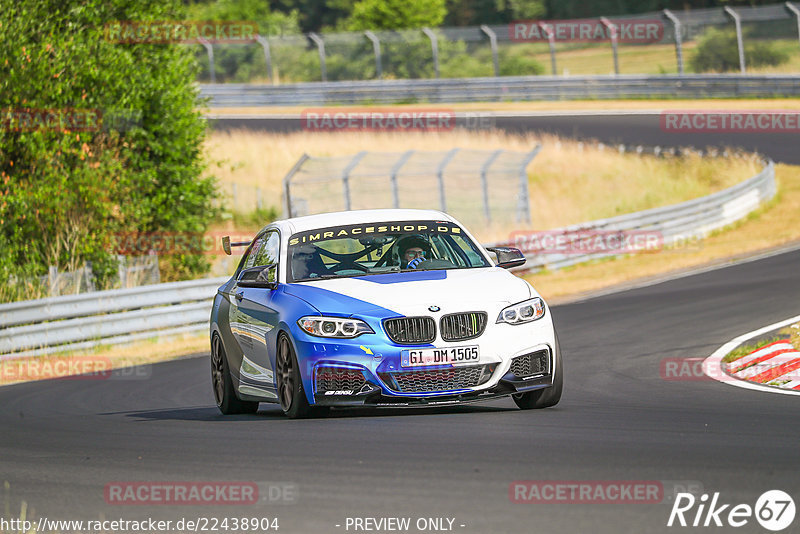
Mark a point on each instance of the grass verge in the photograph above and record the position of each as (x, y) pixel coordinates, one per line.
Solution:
(790, 333)
(773, 225)
(643, 104)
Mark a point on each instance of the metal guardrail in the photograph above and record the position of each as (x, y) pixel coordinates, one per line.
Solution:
(678, 222)
(511, 88)
(56, 324)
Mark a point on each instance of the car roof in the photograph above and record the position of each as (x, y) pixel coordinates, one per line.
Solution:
(341, 218)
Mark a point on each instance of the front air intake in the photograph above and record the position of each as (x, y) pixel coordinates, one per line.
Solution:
(410, 330)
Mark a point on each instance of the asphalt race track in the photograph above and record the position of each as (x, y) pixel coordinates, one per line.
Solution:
(631, 128)
(63, 441)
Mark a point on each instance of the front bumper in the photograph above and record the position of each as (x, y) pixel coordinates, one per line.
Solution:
(352, 385)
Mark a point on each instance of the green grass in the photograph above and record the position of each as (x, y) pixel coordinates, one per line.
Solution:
(646, 59)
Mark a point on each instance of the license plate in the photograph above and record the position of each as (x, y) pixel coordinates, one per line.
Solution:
(423, 357)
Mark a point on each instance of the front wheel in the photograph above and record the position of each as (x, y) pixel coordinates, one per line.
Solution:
(224, 393)
(546, 397)
(290, 385)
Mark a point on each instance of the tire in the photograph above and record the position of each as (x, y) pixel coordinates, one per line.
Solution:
(222, 383)
(546, 397)
(289, 383)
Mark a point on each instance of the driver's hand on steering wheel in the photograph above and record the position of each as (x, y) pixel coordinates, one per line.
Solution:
(413, 264)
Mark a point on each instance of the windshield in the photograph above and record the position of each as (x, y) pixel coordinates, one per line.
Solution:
(364, 249)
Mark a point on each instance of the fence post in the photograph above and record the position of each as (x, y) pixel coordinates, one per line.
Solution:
(434, 49)
(287, 182)
(376, 46)
(612, 30)
(267, 55)
(485, 184)
(122, 270)
(493, 43)
(737, 21)
(52, 280)
(440, 176)
(210, 52)
(551, 40)
(676, 24)
(321, 47)
(524, 213)
(794, 11)
(346, 177)
(393, 177)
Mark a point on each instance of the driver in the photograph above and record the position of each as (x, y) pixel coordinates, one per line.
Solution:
(413, 251)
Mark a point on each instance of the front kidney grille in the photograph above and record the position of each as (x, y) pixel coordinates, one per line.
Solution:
(461, 326)
(411, 330)
(338, 379)
(428, 380)
(531, 364)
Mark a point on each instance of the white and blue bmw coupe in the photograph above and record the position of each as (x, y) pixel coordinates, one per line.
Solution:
(384, 308)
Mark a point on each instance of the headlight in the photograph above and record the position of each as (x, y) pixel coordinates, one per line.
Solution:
(523, 312)
(334, 326)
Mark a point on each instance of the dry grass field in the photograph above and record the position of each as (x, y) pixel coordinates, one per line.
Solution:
(569, 182)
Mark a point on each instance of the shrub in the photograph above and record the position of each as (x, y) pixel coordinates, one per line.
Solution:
(64, 193)
(718, 51)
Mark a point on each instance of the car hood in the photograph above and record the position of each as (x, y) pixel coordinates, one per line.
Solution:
(410, 293)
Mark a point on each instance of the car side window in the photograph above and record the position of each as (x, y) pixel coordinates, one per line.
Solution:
(268, 252)
(250, 260)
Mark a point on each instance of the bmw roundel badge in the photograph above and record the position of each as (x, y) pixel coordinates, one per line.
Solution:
(434, 308)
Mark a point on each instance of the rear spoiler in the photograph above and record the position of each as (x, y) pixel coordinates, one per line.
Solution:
(226, 244)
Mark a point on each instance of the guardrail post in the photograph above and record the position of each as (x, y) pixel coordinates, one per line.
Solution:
(493, 43)
(393, 177)
(485, 184)
(737, 21)
(267, 55)
(346, 177)
(524, 210)
(376, 47)
(434, 49)
(551, 40)
(676, 24)
(287, 183)
(440, 176)
(796, 12)
(210, 52)
(321, 47)
(612, 30)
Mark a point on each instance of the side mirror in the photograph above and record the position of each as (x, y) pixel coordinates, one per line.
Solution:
(226, 244)
(508, 257)
(264, 277)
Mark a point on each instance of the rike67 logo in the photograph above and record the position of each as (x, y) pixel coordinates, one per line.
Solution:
(774, 510)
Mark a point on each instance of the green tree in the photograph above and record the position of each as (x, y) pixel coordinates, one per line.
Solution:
(66, 192)
(396, 14)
